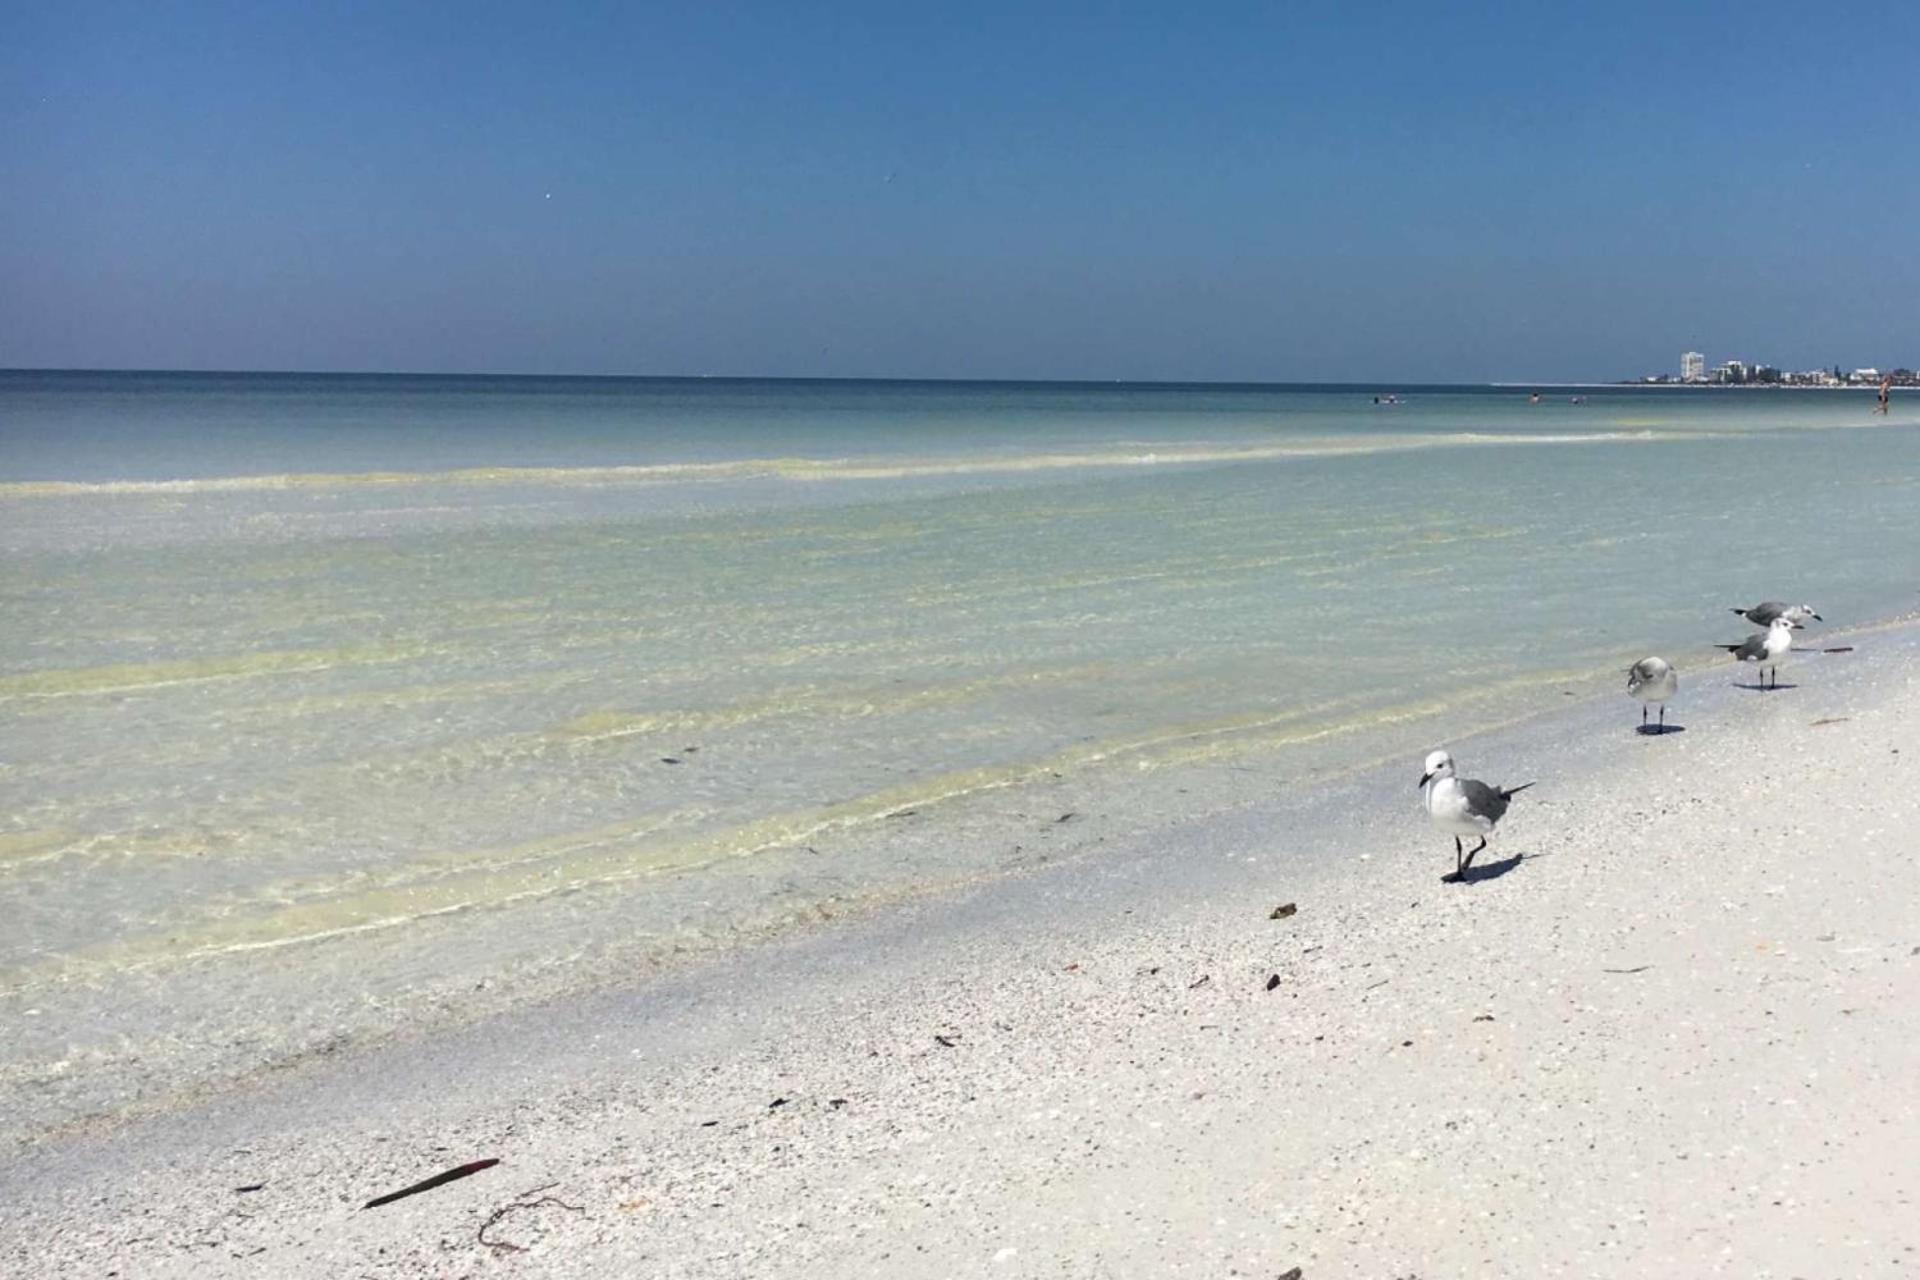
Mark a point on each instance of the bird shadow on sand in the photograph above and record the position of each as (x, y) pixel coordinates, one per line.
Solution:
(1656, 730)
(1764, 688)
(1485, 871)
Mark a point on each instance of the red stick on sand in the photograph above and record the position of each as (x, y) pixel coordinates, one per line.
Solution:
(438, 1179)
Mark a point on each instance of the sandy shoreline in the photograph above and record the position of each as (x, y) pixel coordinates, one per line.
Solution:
(1681, 1033)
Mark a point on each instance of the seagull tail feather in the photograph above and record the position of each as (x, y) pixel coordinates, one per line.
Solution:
(1510, 792)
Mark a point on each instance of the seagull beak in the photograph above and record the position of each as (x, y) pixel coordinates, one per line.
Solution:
(1818, 618)
(1425, 778)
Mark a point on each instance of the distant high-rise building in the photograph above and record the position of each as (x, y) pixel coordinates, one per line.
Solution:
(1693, 367)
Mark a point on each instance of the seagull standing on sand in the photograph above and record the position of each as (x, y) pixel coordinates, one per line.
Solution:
(1652, 680)
(1463, 807)
(1763, 614)
(1768, 650)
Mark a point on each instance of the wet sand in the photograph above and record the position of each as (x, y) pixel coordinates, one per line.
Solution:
(1672, 1027)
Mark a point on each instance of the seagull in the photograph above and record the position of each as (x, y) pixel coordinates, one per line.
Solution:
(1768, 649)
(1763, 614)
(1652, 680)
(1463, 807)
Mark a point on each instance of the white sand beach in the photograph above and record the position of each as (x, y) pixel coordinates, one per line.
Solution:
(1673, 1028)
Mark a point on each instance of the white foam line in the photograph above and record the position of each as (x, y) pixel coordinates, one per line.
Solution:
(815, 469)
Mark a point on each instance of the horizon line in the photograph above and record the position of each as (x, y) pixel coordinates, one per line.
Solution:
(814, 378)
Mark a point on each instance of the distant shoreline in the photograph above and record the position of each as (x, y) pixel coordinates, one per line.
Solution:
(1758, 386)
(1358, 388)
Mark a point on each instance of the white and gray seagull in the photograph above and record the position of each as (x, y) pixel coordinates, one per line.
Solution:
(1652, 680)
(1463, 807)
(1767, 649)
(1763, 614)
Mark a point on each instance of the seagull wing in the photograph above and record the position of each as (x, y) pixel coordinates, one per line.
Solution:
(1484, 801)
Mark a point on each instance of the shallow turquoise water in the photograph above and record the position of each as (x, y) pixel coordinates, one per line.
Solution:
(626, 638)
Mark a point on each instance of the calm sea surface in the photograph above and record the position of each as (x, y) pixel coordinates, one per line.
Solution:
(334, 704)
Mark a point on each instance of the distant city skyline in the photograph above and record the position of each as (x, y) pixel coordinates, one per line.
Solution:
(1734, 370)
(1308, 193)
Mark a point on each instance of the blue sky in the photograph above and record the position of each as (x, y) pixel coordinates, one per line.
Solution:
(1280, 191)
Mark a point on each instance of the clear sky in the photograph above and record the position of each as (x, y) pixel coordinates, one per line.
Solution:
(1265, 192)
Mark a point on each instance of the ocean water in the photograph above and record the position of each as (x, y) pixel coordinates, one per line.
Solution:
(340, 705)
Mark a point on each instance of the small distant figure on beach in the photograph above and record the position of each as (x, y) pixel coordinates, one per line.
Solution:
(1886, 394)
(1389, 398)
(1534, 398)
(1576, 399)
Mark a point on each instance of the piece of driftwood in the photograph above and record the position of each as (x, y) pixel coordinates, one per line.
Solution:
(437, 1180)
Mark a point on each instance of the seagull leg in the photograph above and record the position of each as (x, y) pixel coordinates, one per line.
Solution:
(1457, 867)
(1471, 854)
(1643, 715)
(1663, 717)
